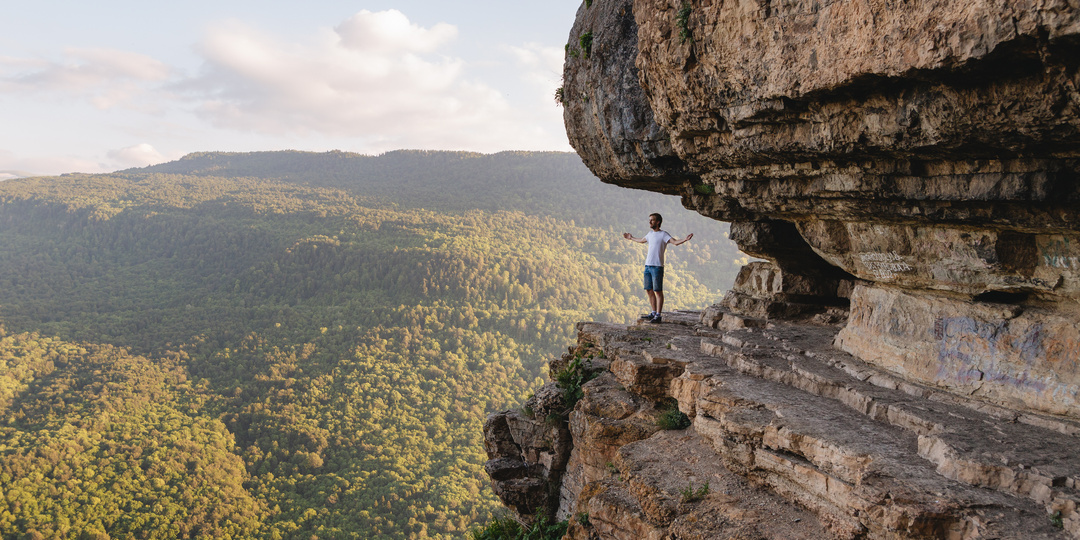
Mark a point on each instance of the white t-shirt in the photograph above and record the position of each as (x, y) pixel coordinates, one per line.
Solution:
(658, 241)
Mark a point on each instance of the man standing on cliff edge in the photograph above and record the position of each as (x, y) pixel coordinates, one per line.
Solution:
(654, 264)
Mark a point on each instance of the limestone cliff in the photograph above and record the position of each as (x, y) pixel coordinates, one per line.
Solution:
(904, 365)
(920, 155)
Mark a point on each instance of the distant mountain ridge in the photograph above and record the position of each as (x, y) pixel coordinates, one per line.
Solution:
(552, 183)
(11, 174)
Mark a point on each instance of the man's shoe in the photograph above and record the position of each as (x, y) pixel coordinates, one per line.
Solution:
(647, 316)
(657, 319)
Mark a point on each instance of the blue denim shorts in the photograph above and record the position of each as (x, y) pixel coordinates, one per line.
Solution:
(654, 278)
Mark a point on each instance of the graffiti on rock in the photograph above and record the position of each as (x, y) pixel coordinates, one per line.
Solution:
(884, 266)
(1060, 254)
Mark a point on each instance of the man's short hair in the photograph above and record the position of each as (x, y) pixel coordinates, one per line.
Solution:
(659, 218)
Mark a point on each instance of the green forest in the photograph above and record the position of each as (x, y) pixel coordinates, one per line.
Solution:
(300, 345)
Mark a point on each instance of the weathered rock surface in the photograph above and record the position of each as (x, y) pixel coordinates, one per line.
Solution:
(1023, 357)
(904, 364)
(918, 159)
(653, 489)
(615, 129)
(528, 454)
(836, 98)
(794, 439)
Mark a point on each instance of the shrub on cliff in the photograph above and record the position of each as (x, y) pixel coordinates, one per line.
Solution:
(571, 379)
(505, 528)
(672, 418)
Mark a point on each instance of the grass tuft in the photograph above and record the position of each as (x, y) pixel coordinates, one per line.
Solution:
(672, 418)
(690, 494)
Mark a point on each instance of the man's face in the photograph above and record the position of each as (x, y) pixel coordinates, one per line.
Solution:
(653, 223)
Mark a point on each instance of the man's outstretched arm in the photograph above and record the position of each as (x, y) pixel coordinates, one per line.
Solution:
(675, 242)
(629, 236)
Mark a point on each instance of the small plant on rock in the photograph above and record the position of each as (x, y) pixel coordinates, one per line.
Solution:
(586, 43)
(672, 418)
(583, 518)
(505, 528)
(682, 21)
(705, 189)
(1055, 520)
(690, 494)
(570, 380)
(497, 529)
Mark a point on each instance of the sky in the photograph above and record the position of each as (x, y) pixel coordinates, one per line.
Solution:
(114, 84)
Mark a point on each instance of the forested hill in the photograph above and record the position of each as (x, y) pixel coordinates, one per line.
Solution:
(555, 184)
(298, 345)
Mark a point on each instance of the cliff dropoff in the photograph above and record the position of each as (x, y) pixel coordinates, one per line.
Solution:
(903, 363)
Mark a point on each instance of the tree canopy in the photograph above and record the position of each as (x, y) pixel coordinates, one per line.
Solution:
(296, 345)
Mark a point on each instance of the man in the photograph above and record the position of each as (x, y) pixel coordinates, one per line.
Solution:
(654, 264)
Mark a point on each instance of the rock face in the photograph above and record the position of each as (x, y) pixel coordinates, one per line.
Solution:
(788, 438)
(916, 160)
(904, 363)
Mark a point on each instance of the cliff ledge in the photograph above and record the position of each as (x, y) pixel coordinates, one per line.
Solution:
(903, 364)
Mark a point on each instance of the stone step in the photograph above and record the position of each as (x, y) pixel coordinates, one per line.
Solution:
(785, 410)
(865, 476)
(967, 440)
(672, 486)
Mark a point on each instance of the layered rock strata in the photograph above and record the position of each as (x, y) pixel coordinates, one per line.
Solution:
(915, 160)
(789, 438)
(904, 362)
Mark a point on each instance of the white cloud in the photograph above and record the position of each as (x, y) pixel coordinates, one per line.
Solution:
(540, 67)
(390, 31)
(376, 77)
(46, 165)
(105, 77)
(539, 60)
(139, 155)
(374, 82)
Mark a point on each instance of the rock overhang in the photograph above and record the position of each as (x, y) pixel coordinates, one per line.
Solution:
(887, 151)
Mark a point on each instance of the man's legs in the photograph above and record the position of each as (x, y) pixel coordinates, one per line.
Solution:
(654, 286)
